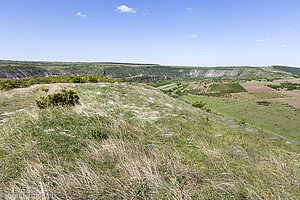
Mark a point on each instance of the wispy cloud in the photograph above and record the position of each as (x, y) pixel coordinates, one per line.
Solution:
(284, 45)
(79, 14)
(124, 8)
(193, 36)
(189, 8)
(289, 28)
(264, 40)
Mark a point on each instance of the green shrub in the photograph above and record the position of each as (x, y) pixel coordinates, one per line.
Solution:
(44, 89)
(78, 79)
(62, 98)
(287, 86)
(92, 79)
(8, 84)
(98, 134)
(199, 104)
(241, 121)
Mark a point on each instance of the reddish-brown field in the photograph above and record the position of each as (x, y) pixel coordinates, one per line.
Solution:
(295, 101)
(257, 87)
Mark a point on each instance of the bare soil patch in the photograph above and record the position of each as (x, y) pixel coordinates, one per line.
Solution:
(257, 87)
(295, 101)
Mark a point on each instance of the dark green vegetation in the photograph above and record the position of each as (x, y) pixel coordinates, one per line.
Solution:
(292, 70)
(62, 98)
(201, 105)
(285, 86)
(133, 142)
(227, 88)
(7, 84)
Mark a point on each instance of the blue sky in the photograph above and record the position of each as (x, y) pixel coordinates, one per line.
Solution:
(171, 32)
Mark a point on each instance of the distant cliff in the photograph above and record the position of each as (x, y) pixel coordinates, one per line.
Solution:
(142, 72)
(14, 72)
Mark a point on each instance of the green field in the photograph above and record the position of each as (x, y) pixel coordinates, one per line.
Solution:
(278, 118)
(227, 88)
(259, 95)
(167, 87)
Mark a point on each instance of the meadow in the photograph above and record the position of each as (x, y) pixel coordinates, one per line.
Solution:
(134, 142)
(278, 118)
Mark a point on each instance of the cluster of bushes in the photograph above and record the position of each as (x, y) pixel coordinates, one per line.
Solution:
(178, 91)
(62, 98)
(287, 86)
(8, 84)
(201, 105)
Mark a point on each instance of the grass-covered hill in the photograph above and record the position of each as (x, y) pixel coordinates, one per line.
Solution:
(137, 72)
(133, 142)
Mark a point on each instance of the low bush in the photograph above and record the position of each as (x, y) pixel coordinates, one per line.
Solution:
(287, 86)
(62, 98)
(98, 134)
(44, 89)
(199, 104)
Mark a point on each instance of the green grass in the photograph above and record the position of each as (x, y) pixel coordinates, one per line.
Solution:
(259, 95)
(133, 142)
(279, 118)
(168, 86)
(227, 88)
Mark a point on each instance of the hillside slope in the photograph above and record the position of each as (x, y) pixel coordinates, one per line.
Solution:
(292, 70)
(132, 142)
(18, 69)
(16, 72)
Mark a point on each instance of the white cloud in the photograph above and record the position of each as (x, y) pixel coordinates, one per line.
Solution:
(284, 45)
(79, 14)
(264, 40)
(124, 8)
(189, 8)
(193, 36)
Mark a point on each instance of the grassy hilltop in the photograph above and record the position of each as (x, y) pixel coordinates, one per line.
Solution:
(134, 142)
